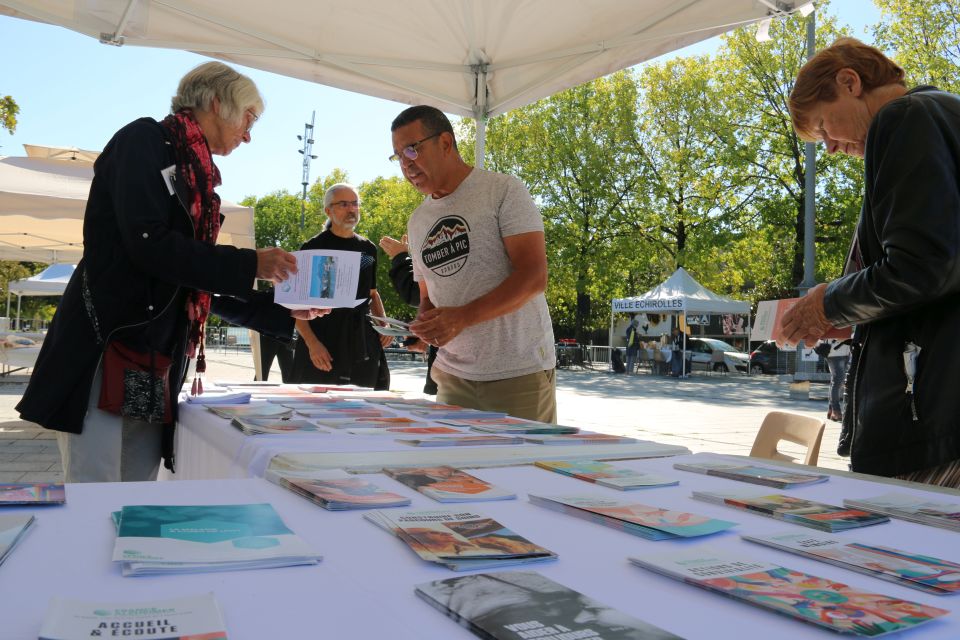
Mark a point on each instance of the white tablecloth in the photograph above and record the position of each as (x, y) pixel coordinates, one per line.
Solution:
(363, 589)
(207, 446)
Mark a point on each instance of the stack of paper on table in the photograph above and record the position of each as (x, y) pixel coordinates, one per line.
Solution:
(508, 425)
(754, 474)
(157, 539)
(819, 601)
(915, 570)
(13, 528)
(271, 426)
(945, 515)
(807, 513)
(260, 410)
(512, 605)
(579, 438)
(337, 490)
(650, 523)
(606, 475)
(192, 617)
(32, 493)
(227, 397)
(447, 484)
(460, 441)
(459, 540)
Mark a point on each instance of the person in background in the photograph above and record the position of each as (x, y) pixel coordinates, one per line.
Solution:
(633, 344)
(479, 257)
(901, 283)
(401, 274)
(838, 358)
(343, 347)
(677, 355)
(109, 374)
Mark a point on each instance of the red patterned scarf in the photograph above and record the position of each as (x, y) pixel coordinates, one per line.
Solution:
(200, 175)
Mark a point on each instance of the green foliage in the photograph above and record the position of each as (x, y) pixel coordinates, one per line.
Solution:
(8, 114)
(923, 36)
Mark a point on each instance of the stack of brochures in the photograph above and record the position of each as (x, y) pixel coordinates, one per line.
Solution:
(812, 599)
(13, 528)
(915, 570)
(395, 430)
(370, 423)
(32, 493)
(261, 426)
(650, 523)
(226, 397)
(511, 605)
(507, 425)
(825, 517)
(460, 441)
(188, 617)
(460, 540)
(904, 506)
(158, 539)
(259, 410)
(337, 490)
(753, 474)
(389, 326)
(606, 475)
(579, 438)
(447, 484)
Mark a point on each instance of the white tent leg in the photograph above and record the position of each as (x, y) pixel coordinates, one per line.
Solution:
(17, 328)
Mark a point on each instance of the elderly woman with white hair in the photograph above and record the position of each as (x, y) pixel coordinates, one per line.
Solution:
(111, 367)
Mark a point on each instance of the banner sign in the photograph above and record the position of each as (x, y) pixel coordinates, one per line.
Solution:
(657, 305)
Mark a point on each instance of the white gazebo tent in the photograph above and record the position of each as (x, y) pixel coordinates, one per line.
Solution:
(474, 58)
(678, 294)
(52, 281)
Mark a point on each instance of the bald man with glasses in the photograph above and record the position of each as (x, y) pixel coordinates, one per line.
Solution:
(479, 258)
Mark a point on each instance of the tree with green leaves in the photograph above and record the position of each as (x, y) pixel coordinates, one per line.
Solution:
(923, 36)
(8, 113)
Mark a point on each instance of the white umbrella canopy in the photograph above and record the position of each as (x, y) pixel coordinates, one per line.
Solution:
(466, 57)
(42, 203)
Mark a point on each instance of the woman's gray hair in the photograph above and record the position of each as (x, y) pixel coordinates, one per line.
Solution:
(210, 80)
(328, 194)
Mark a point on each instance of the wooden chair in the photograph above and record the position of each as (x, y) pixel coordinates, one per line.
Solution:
(792, 427)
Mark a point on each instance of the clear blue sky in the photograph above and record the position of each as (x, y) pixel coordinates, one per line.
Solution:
(75, 92)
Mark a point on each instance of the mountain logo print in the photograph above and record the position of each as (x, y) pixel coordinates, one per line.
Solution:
(447, 246)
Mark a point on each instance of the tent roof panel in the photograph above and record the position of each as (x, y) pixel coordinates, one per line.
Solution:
(681, 293)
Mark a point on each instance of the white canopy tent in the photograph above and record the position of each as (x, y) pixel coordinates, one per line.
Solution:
(52, 281)
(42, 202)
(678, 294)
(475, 58)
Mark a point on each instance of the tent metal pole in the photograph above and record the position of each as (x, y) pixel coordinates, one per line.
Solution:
(18, 312)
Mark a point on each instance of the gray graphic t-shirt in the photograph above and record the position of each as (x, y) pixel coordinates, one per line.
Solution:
(456, 244)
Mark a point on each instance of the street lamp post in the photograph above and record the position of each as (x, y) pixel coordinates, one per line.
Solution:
(307, 139)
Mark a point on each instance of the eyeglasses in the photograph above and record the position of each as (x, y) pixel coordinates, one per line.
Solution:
(345, 203)
(253, 117)
(410, 152)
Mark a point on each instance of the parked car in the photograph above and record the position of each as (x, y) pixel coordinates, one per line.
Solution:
(769, 358)
(703, 350)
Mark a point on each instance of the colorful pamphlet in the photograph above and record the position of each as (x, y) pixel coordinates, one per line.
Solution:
(651, 523)
(460, 540)
(258, 410)
(507, 425)
(384, 431)
(325, 278)
(515, 605)
(323, 413)
(263, 426)
(193, 617)
(905, 506)
(465, 414)
(447, 484)
(389, 326)
(155, 539)
(754, 474)
(370, 423)
(825, 517)
(460, 441)
(337, 490)
(606, 475)
(914, 570)
(33, 493)
(13, 528)
(819, 601)
(579, 438)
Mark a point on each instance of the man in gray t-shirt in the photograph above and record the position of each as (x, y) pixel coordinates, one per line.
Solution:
(479, 257)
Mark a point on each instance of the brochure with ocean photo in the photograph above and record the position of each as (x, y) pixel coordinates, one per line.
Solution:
(325, 278)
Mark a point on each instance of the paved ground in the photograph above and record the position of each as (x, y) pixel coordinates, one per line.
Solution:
(704, 412)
